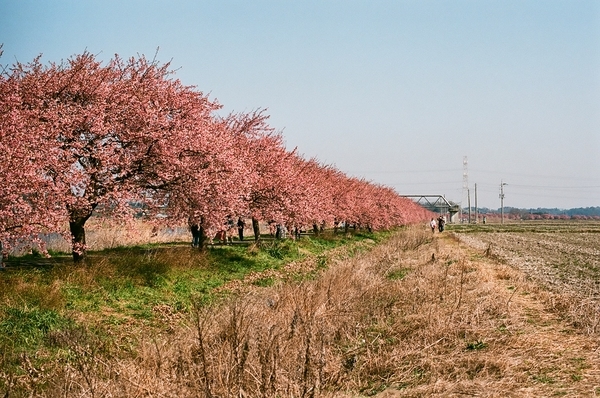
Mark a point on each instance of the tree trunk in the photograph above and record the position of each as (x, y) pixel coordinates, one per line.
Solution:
(202, 238)
(77, 227)
(256, 229)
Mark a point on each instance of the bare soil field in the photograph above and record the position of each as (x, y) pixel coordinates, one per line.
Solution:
(563, 255)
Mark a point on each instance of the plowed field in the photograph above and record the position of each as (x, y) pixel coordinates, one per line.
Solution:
(563, 256)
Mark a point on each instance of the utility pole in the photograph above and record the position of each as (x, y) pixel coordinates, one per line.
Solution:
(476, 210)
(465, 189)
(502, 184)
(469, 202)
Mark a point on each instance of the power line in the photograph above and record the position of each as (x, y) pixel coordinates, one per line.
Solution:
(434, 183)
(554, 177)
(556, 186)
(529, 186)
(402, 171)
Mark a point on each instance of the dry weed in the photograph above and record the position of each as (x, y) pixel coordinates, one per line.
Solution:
(413, 317)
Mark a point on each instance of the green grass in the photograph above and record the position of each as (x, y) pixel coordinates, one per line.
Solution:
(25, 327)
(397, 274)
(476, 345)
(116, 291)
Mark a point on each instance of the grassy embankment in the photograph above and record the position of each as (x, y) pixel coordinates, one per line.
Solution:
(50, 308)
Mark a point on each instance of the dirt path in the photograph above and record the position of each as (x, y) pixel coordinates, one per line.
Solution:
(527, 348)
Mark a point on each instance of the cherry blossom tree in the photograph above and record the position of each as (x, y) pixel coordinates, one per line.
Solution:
(312, 203)
(215, 175)
(112, 134)
(271, 192)
(26, 196)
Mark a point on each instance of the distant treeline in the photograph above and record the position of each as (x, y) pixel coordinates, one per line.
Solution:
(540, 211)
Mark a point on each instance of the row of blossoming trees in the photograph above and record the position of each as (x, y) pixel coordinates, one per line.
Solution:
(82, 137)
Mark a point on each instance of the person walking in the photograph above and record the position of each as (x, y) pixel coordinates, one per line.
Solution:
(229, 225)
(432, 224)
(241, 224)
(195, 229)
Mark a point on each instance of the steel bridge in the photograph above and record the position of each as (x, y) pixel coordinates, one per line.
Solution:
(437, 203)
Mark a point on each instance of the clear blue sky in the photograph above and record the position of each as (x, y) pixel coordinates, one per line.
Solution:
(398, 92)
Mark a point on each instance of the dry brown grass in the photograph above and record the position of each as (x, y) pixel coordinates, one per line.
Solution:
(107, 235)
(414, 317)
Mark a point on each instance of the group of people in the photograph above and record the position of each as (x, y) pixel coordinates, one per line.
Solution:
(439, 223)
(280, 231)
(276, 229)
(224, 236)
